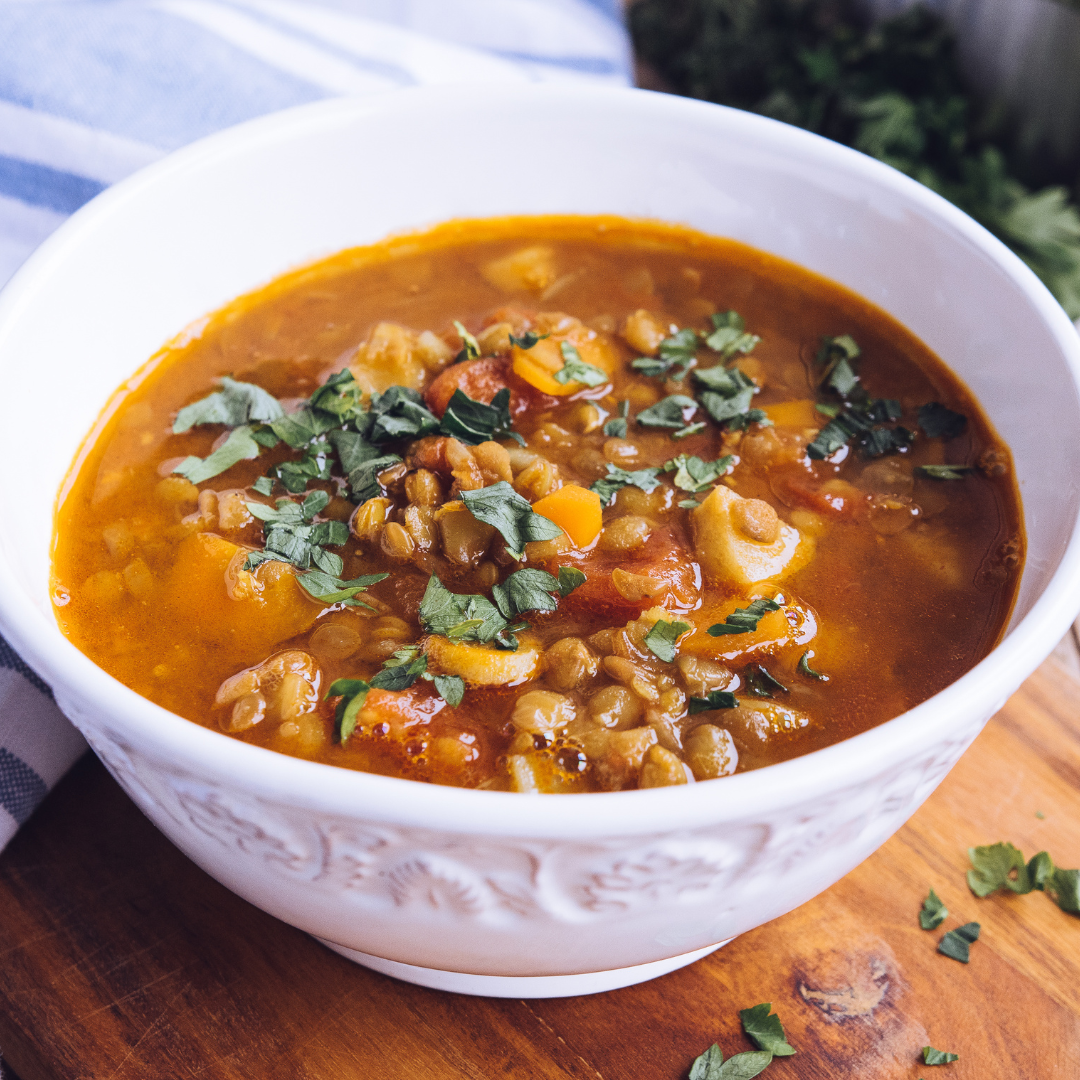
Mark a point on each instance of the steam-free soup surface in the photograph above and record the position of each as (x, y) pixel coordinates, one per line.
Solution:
(718, 512)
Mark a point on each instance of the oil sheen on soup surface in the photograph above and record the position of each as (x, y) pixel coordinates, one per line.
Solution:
(548, 504)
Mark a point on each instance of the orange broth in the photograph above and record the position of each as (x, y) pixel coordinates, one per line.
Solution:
(899, 582)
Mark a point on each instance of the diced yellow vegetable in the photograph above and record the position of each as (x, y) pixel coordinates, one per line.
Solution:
(482, 665)
(530, 269)
(576, 510)
(795, 414)
(218, 601)
(728, 550)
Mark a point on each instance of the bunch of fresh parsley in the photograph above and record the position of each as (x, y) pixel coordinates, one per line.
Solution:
(894, 91)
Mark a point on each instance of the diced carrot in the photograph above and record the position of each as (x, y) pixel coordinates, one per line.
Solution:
(576, 510)
(538, 365)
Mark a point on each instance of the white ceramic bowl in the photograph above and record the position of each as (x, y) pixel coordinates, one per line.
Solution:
(483, 891)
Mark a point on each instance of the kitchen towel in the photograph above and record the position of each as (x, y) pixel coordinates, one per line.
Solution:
(91, 90)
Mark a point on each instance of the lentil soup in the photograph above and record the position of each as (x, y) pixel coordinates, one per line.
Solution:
(543, 504)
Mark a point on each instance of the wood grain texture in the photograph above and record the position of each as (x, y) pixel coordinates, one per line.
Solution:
(120, 960)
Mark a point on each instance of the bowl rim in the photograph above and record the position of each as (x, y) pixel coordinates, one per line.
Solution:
(203, 753)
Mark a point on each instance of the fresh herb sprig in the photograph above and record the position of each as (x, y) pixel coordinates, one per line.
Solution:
(764, 1030)
(292, 535)
(893, 89)
(1002, 866)
(608, 486)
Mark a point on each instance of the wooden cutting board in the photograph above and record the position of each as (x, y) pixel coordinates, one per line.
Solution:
(120, 960)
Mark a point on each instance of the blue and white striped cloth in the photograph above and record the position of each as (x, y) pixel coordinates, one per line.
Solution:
(91, 90)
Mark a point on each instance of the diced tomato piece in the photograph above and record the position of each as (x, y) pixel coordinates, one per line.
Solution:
(481, 380)
(401, 710)
(662, 558)
(797, 489)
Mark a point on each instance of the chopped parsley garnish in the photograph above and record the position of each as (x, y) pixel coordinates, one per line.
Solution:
(862, 424)
(315, 463)
(956, 944)
(690, 429)
(693, 474)
(764, 1028)
(353, 693)
(528, 590)
(661, 639)
(938, 422)
(239, 446)
(997, 866)
(674, 411)
(744, 620)
(729, 335)
(1063, 887)
(527, 340)
(264, 485)
(470, 617)
(471, 349)
(475, 618)
(715, 699)
(1002, 866)
(575, 369)
(500, 506)
(570, 578)
(362, 462)
(607, 486)
(760, 683)
(236, 403)
(804, 668)
(473, 422)
(524, 590)
(337, 401)
(837, 356)
(615, 428)
(751, 416)
(945, 472)
(407, 665)
(402, 669)
(712, 1066)
(933, 913)
(674, 356)
(451, 688)
(332, 590)
(461, 617)
(931, 1056)
(294, 537)
(727, 393)
(397, 413)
